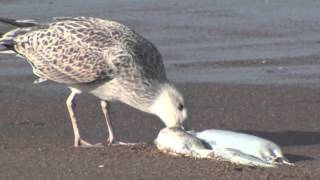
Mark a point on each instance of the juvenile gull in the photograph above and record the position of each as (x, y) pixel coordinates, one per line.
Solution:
(100, 57)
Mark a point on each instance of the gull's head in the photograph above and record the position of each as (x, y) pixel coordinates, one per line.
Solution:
(169, 106)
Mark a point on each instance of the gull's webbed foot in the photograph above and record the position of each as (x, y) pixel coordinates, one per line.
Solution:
(84, 144)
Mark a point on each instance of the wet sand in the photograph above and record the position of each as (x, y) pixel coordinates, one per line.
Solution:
(36, 136)
(246, 66)
(209, 32)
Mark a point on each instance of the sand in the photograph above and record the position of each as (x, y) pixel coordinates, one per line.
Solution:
(36, 136)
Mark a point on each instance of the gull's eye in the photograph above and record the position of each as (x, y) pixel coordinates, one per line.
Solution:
(180, 107)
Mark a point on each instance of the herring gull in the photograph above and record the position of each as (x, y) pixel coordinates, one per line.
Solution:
(101, 57)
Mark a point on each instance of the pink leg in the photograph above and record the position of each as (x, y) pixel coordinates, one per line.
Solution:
(78, 142)
(112, 138)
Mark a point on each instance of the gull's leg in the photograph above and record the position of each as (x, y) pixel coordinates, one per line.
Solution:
(112, 139)
(78, 142)
(104, 106)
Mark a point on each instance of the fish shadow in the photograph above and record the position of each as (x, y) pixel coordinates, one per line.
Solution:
(289, 138)
(296, 158)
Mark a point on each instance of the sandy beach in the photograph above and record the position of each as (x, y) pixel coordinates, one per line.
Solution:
(36, 135)
(241, 65)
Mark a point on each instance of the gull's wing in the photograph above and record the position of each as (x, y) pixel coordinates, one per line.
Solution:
(69, 51)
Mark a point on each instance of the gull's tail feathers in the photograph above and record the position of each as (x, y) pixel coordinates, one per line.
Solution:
(7, 38)
(19, 23)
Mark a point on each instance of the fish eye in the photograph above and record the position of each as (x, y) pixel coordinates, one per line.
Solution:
(180, 107)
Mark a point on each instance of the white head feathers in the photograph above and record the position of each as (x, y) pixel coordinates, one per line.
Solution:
(169, 106)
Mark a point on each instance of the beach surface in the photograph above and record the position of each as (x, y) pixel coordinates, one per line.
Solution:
(246, 66)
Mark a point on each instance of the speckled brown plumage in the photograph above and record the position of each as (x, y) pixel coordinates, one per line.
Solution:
(83, 50)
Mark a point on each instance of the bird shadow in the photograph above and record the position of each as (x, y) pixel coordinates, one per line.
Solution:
(289, 138)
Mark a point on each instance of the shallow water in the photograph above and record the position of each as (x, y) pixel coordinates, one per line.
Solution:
(193, 32)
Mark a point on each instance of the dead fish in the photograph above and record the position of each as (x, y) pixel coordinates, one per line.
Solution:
(176, 141)
(249, 144)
